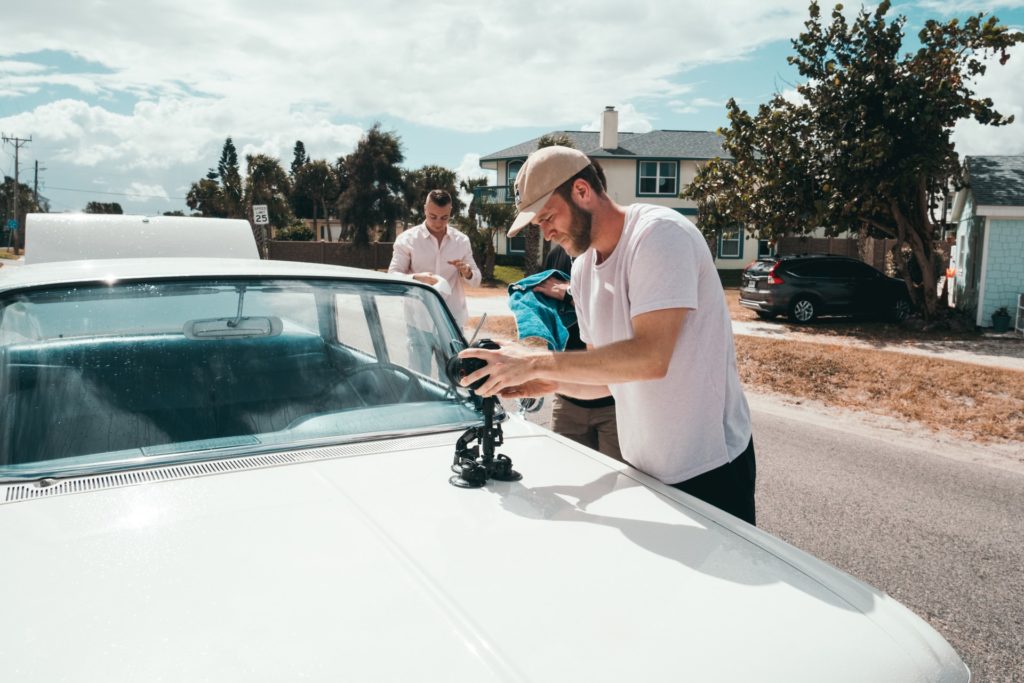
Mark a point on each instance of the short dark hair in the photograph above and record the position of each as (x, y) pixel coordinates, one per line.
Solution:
(593, 174)
(439, 197)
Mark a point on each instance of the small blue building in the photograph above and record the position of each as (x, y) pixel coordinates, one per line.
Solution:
(989, 250)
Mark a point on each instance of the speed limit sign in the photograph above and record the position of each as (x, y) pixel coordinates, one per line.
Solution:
(259, 214)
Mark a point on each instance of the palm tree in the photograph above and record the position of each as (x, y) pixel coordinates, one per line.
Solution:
(480, 236)
(267, 183)
(373, 186)
(316, 184)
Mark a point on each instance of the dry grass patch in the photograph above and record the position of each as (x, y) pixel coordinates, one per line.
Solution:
(497, 327)
(981, 403)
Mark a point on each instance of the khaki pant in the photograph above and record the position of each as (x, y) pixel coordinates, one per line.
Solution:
(592, 427)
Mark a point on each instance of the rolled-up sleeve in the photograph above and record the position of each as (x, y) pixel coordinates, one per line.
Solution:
(401, 257)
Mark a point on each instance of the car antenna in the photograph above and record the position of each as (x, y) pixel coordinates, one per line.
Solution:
(477, 330)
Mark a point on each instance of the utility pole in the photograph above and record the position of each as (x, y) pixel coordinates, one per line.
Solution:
(18, 144)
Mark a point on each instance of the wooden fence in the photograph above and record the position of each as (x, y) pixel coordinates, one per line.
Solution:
(374, 256)
(875, 250)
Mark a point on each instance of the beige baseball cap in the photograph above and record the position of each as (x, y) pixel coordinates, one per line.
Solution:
(540, 176)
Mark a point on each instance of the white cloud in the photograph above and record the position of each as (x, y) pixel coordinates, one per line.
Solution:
(792, 96)
(8, 66)
(141, 192)
(692, 106)
(470, 168)
(630, 120)
(168, 132)
(403, 59)
(1002, 84)
(965, 7)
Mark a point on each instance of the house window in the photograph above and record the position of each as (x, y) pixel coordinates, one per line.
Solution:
(765, 248)
(511, 171)
(517, 244)
(730, 243)
(658, 178)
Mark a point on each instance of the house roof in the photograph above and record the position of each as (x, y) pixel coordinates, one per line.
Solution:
(997, 180)
(673, 144)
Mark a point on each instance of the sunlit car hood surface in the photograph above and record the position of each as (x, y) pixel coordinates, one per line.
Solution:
(372, 567)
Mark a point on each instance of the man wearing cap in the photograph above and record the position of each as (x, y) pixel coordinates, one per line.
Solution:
(652, 313)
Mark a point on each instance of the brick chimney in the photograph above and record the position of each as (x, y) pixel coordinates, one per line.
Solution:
(609, 128)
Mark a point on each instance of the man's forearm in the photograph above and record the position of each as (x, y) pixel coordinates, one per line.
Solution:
(630, 360)
(586, 392)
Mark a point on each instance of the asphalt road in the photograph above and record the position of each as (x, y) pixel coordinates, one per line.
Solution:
(943, 535)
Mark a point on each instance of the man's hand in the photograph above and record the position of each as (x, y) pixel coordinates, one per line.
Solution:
(509, 367)
(464, 268)
(426, 278)
(553, 287)
(533, 389)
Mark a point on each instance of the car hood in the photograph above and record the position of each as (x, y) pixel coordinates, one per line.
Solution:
(365, 564)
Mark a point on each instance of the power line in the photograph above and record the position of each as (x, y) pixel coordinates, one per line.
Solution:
(118, 194)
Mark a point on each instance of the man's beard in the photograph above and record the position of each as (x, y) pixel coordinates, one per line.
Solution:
(579, 229)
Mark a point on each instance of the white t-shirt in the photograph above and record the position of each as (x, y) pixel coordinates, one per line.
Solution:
(695, 418)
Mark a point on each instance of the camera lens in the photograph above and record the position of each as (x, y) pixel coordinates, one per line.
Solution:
(458, 368)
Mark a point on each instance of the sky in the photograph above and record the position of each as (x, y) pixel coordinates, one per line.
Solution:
(130, 101)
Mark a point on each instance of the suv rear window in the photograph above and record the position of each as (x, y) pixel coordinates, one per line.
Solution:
(761, 266)
(812, 268)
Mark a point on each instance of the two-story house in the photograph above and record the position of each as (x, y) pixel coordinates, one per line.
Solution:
(649, 167)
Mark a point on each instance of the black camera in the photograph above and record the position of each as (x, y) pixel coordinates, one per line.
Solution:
(458, 368)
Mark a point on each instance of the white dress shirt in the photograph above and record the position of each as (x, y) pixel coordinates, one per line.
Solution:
(417, 251)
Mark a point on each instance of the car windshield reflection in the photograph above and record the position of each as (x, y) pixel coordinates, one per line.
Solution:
(95, 376)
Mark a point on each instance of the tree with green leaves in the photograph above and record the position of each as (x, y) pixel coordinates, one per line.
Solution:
(206, 198)
(422, 180)
(230, 180)
(219, 194)
(27, 203)
(297, 232)
(372, 185)
(555, 139)
(299, 157)
(104, 207)
(867, 144)
(267, 183)
(316, 187)
(480, 233)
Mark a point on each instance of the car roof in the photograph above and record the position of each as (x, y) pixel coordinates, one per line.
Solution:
(110, 270)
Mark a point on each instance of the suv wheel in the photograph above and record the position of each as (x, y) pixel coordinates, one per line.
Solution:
(803, 309)
(901, 309)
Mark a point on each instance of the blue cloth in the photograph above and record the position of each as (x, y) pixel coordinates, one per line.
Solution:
(538, 315)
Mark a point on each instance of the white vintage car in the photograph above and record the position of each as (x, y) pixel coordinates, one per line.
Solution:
(240, 470)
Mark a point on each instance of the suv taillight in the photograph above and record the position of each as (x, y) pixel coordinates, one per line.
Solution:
(774, 279)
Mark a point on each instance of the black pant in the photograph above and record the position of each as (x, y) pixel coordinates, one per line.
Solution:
(729, 487)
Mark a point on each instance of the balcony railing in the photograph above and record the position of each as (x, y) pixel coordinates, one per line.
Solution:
(500, 194)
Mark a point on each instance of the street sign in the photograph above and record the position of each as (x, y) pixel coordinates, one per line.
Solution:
(259, 214)
(12, 224)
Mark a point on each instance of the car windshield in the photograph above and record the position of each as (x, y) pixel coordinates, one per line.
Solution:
(104, 376)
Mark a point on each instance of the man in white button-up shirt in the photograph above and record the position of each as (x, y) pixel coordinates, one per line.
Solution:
(433, 251)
